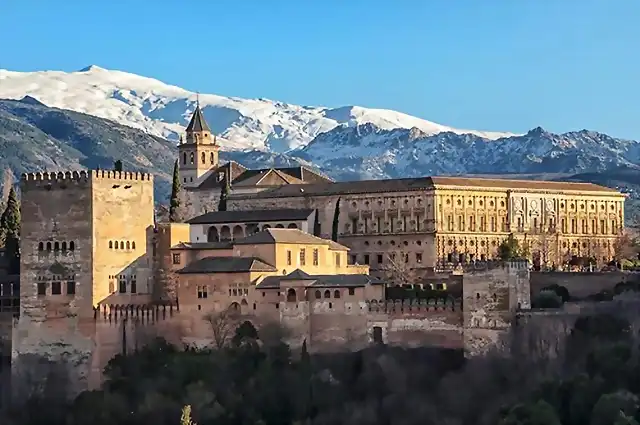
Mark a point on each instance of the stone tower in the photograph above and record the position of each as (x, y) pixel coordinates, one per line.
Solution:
(198, 151)
(86, 244)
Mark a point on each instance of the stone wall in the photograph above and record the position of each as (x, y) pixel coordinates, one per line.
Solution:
(580, 284)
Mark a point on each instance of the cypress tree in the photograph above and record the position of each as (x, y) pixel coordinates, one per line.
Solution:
(224, 195)
(316, 224)
(117, 166)
(174, 202)
(10, 224)
(336, 222)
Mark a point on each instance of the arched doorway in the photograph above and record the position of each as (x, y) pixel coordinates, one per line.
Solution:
(279, 226)
(225, 233)
(212, 234)
(265, 227)
(238, 232)
(292, 226)
(234, 308)
(291, 295)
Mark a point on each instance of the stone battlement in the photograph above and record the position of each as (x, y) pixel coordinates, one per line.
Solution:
(414, 306)
(82, 176)
(142, 312)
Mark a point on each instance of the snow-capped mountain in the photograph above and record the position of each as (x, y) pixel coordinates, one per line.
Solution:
(163, 110)
(367, 151)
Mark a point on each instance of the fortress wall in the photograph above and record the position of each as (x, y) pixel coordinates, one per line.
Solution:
(580, 284)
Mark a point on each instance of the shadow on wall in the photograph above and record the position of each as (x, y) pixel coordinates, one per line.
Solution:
(580, 284)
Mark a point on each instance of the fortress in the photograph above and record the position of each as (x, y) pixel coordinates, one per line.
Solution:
(99, 277)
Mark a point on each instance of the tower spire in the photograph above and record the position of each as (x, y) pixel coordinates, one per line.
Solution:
(198, 99)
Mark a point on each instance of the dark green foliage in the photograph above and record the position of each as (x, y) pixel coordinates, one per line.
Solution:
(117, 165)
(175, 214)
(559, 290)
(510, 249)
(225, 189)
(547, 299)
(10, 229)
(316, 224)
(335, 230)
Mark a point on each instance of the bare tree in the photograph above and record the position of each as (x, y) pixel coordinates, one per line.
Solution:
(397, 269)
(272, 333)
(223, 324)
(544, 245)
(7, 183)
(624, 247)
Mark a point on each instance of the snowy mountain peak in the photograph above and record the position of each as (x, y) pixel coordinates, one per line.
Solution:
(164, 110)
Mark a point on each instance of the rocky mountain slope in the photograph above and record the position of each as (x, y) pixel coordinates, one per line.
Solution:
(164, 110)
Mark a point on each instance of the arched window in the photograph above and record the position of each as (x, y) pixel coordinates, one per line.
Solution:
(116, 244)
(184, 158)
(213, 158)
(110, 244)
(203, 158)
(56, 246)
(128, 245)
(318, 294)
(191, 157)
(133, 245)
(64, 246)
(48, 246)
(40, 246)
(291, 295)
(327, 294)
(336, 294)
(121, 245)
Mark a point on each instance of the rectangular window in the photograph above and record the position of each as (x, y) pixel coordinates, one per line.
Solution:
(354, 259)
(303, 258)
(337, 259)
(352, 291)
(354, 225)
(614, 227)
(483, 225)
(71, 287)
(316, 260)
(460, 223)
(366, 258)
(122, 286)
(56, 288)
(603, 228)
(418, 257)
(471, 223)
(42, 288)
(176, 258)
(112, 285)
(134, 286)
(379, 259)
(289, 259)
(493, 224)
(203, 291)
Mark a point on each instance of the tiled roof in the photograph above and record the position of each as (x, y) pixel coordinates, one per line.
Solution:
(204, 245)
(424, 183)
(216, 217)
(323, 281)
(198, 123)
(291, 236)
(228, 265)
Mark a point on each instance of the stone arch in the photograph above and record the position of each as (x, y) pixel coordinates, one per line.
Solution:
(48, 246)
(238, 232)
(41, 246)
(191, 157)
(377, 335)
(64, 245)
(234, 308)
(213, 158)
(56, 246)
(279, 226)
(265, 227)
(212, 234)
(225, 233)
(184, 158)
(292, 226)
(327, 294)
(318, 294)
(291, 295)
(203, 158)
(336, 294)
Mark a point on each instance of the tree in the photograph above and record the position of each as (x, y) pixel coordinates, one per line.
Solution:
(7, 183)
(336, 222)
(117, 165)
(509, 249)
(224, 195)
(175, 212)
(625, 247)
(185, 418)
(316, 224)
(396, 269)
(223, 325)
(10, 225)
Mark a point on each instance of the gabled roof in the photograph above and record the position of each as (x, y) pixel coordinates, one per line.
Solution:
(197, 123)
(323, 281)
(297, 274)
(287, 236)
(203, 245)
(227, 265)
(219, 217)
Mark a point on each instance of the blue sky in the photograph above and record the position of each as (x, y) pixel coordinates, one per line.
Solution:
(506, 65)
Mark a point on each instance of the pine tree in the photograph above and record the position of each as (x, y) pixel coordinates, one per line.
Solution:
(224, 195)
(175, 213)
(336, 222)
(10, 224)
(117, 165)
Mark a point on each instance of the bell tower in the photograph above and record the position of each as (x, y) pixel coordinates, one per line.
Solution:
(198, 151)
